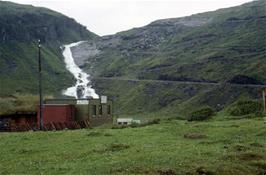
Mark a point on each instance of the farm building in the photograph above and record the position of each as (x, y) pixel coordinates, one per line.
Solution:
(60, 114)
(95, 111)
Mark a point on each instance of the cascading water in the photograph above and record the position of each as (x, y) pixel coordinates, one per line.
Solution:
(82, 88)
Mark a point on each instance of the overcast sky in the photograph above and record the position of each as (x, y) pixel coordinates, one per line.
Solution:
(105, 17)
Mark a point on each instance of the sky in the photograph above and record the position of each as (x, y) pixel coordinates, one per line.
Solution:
(105, 17)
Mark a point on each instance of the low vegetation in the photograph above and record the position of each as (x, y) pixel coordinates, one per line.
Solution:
(174, 147)
(201, 114)
(19, 103)
(246, 107)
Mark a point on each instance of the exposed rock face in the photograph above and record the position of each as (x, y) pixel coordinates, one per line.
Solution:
(84, 51)
(146, 39)
(187, 21)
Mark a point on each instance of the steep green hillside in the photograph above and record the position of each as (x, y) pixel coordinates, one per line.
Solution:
(228, 45)
(213, 46)
(148, 98)
(20, 28)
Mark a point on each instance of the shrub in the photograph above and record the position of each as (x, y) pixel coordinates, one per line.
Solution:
(201, 114)
(246, 107)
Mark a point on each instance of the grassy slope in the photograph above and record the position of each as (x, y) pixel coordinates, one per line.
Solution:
(19, 73)
(230, 147)
(169, 99)
(232, 43)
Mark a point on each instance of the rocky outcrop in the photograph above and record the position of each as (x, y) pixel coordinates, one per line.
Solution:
(83, 52)
(144, 39)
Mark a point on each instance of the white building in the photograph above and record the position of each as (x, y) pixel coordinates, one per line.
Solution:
(127, 121)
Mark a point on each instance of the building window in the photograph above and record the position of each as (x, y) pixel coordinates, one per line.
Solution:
(109, 110)
(93, 109)
(100, 110)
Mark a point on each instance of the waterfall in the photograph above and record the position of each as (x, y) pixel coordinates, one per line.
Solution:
(82, 88)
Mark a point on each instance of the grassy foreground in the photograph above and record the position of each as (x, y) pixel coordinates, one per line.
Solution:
(169, 148)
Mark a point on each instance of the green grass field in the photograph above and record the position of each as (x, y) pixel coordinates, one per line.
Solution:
(219, 146)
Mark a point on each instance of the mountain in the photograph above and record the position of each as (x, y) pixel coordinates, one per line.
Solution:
(212, 46)
(20, 28)
(227, 45)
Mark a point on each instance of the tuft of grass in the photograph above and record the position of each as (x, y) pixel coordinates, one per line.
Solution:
(94, 134)
(194, 136)
(117, 147)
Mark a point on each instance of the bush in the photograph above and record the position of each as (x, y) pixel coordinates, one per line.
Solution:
(246, 107)
(201, 114)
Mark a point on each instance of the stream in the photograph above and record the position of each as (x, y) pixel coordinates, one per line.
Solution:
(82, 89)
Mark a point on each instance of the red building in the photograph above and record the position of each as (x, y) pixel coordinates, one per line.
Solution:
(58, 116)
(57, 113)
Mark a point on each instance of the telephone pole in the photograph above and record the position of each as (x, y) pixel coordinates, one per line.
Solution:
(264, 99)
(40, 86)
